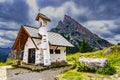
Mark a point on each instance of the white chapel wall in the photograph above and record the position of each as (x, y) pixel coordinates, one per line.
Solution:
(58, 57)
(29, 44)
(39, 56)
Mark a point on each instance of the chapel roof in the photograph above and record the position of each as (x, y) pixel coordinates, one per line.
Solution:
(26, 31)
(54, 38)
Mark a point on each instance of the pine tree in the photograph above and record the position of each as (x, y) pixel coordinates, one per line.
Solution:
(85, 47)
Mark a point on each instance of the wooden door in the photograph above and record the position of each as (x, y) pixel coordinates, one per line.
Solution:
(31, 55)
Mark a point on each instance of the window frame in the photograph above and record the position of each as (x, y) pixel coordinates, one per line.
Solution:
(57, 51)
(51, 50)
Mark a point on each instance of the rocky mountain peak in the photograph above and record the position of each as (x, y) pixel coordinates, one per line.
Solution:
(69, 27)
(66, 18)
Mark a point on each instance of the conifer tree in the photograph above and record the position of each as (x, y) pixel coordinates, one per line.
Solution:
(85, 47)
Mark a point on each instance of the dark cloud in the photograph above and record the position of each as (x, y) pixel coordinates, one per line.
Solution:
(16, 11)
(107, 35)
(82, 18)
(5, 28)
(101, 9)
(115, 31)
(53, 3)
(9, 27)
(8, 38)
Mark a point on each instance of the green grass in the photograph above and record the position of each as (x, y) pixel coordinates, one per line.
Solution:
(71, 75)
(8, 62)
(113, 58)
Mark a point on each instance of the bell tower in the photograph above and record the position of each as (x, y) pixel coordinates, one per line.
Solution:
(42, 30)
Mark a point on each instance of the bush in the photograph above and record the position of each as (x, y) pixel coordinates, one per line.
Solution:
(74, 66)
(84, 68)
(108, 70)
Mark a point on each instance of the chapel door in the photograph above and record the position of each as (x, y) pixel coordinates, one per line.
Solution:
(31, 55)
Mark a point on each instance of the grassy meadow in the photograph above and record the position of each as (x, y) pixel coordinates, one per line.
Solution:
(113, 58)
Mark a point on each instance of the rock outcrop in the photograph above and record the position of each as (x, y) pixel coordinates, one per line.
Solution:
(94, 63)
(108, 51)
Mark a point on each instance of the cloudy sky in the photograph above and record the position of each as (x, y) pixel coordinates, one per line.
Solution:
(99, 16)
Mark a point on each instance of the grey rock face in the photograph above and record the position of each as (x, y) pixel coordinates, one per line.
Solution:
(94, 63)
(75, 32)
(108, 51)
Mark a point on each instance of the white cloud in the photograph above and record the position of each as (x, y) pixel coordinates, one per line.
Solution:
(9, 34)
(2, 1)
(57, 13)
(100, 26)
(67, 7)
(33, 5)
(103, 27)
(5, 42)
(115, 39)
(1, 33)
(11, 24)
(33, 10)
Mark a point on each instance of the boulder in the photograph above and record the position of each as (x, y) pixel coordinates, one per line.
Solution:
(108, 51)
(93, 63)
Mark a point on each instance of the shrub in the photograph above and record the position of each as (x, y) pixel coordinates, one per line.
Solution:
(74, 66)
(85, 68)
(108, 70)
(75, 63)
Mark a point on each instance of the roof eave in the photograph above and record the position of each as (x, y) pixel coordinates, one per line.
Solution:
(61, 45)
(40, 15)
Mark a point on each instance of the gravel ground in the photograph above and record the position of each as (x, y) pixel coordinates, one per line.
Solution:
(21, 74)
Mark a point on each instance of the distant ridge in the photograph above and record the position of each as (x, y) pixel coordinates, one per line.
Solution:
(4, 53)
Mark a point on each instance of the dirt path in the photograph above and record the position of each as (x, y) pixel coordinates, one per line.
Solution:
(44, 75)
(3, 72)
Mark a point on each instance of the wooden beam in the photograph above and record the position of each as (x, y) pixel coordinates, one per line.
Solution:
(34, 43)
(55, 48)
(37, 37)
(15, 43)
(18, 54)
(19, 48)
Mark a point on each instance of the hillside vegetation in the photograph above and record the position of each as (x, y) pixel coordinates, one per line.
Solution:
(113, 58)
(7, 62)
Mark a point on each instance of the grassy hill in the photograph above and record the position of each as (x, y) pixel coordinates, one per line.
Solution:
(113, 58)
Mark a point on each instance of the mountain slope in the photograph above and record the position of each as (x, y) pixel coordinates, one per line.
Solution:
(75, 33)
(4, 53)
